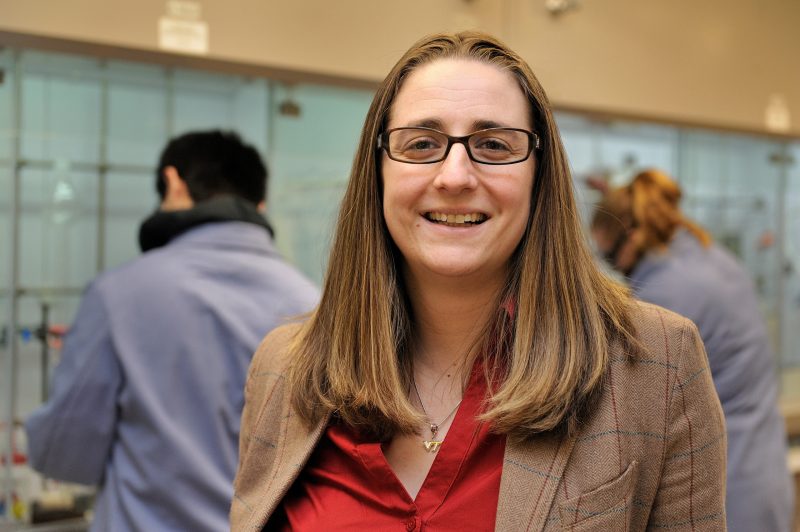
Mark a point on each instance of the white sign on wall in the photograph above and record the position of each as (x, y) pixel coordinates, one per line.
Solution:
(182, 28)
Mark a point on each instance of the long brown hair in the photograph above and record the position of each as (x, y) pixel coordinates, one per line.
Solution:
(353, 358)
(651, 205)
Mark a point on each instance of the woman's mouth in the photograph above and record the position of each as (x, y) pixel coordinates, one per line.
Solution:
(456, 220)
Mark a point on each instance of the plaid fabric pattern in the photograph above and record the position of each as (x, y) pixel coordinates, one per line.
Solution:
(651, 457)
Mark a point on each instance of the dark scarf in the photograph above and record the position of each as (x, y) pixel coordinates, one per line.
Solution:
(162, 226)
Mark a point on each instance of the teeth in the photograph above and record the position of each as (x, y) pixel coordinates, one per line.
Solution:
(472, 217)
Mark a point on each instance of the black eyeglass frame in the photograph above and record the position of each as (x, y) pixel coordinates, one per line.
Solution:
(534, 143)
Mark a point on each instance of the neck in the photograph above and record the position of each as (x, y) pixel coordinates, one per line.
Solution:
(449, 316)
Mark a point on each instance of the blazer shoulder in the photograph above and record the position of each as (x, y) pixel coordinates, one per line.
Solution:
(272, 354)
(650, 318)
(663, 332)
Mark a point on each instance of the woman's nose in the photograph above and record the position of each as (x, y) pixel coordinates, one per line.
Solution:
(457, 172)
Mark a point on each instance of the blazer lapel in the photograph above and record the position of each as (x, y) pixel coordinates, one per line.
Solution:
(532, 472)
(295, 445)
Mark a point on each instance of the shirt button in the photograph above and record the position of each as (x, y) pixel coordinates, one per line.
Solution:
(411, 525)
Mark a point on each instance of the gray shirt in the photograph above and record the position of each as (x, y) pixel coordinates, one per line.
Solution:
(709, 287)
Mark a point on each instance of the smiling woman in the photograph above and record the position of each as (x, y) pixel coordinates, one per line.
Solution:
(469, 367)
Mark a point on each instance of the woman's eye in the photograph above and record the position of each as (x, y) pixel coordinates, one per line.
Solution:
(492, 145)
(422, 144)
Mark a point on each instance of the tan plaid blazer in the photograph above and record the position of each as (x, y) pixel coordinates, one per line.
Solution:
(651, 456)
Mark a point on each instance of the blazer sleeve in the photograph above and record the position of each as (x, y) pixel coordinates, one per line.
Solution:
(258, 389)
(691, 491)
(261, 420)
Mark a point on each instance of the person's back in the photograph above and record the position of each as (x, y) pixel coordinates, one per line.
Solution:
(148, 398)
(702, 281)
(707, 286)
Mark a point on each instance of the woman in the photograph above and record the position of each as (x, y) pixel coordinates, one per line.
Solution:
(468, 367)
(672, 262)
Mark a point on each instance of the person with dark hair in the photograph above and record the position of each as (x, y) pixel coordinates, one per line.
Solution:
(469, 366)
(205, 177)
(673, 262)
(147, 398)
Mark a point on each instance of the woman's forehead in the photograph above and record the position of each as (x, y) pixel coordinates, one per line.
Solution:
(458, 93)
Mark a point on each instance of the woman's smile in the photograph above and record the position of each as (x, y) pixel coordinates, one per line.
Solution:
(457, 219)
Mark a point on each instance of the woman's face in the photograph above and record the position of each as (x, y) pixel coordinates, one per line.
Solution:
(458, 97)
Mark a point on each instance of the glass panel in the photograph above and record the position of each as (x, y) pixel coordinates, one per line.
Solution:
(206, 101)
(4, 393)
(137, 114)
(58, 228)
(6, 258)
(61, 108)
(6, 107)
(791, 302)
(130, 197)
(6, 227)
(311, 159)
(6, 153)
(202, 101)
(250, 112)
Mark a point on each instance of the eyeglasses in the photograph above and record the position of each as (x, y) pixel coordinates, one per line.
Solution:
(423, 145)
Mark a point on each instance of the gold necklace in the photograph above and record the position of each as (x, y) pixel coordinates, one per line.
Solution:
(433, 444)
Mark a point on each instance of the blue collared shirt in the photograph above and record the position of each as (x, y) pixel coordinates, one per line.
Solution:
(147, 398)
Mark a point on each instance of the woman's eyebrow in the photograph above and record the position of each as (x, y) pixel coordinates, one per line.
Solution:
(485, 124)
(433, 123)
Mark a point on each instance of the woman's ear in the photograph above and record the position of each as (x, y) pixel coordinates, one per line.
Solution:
(176, 195)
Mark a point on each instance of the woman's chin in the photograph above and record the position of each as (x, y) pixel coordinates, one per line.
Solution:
(461, 270)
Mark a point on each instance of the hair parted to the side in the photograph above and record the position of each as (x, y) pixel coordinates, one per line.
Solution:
(551, 352)
(651, 205)
(212, 163)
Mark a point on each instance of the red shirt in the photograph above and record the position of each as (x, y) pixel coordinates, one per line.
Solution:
(348, 484)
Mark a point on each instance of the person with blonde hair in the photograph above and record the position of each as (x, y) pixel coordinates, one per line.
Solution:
(468, 366)
(673, 262)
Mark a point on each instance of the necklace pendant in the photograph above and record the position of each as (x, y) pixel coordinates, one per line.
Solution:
(434, 429)
(432, 445)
